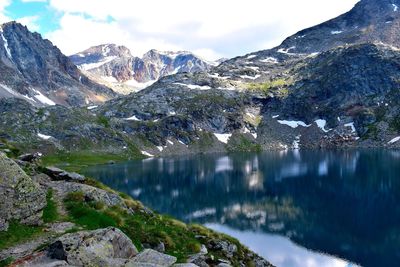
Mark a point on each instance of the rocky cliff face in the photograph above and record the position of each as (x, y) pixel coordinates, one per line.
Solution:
(114, 66)
(33, 69)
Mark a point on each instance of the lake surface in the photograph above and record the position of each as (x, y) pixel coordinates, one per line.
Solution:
(295, 208)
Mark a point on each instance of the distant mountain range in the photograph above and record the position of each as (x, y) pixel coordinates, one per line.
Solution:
(115, 67)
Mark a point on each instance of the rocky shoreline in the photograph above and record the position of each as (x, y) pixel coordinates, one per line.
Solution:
(50, 217)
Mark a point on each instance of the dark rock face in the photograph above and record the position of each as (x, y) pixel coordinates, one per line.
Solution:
(115, 66)
(35, 70)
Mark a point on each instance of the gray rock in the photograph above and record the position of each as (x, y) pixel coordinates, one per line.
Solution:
(29, 157)
(22, 198)
(91, 193)
(102, 247)
(149, 257)
(3, 225)
(58, 174)
(185, 265)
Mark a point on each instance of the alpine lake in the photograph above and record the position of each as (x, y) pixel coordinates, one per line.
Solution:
(294, 208)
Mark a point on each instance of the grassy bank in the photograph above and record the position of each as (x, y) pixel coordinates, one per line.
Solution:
(76, 161)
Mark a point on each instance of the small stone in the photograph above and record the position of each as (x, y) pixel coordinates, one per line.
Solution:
(152, 257)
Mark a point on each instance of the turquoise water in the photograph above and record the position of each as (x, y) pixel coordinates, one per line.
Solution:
(295, 208)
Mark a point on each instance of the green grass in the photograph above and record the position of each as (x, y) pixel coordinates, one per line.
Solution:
(6, 261)
(76, 161)
(50, 213)
(18, 233)
(241, 143)
(267, 87)
(179, 239)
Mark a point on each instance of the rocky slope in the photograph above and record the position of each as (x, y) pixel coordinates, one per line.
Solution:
(115, 67)
(273, 99)
(79, 224)
(34, 70)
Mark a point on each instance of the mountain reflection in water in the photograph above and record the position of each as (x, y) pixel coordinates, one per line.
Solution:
(342, 203)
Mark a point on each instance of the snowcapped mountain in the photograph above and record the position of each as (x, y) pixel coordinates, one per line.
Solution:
(35, 70)
(115, 67)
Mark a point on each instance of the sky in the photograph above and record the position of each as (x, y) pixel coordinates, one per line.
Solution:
(211, 29)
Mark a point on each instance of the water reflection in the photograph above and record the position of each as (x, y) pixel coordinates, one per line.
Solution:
(342, 203)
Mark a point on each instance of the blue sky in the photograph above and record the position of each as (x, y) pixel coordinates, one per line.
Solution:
(210, 28)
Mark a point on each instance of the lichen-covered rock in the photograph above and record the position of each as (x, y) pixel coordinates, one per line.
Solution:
(102, 247)
(90, 193)
(21, 198)
(149, 257)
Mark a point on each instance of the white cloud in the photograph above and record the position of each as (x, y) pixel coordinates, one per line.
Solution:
(212, 28)
(3, 5)
(30, 1)
(30, 22)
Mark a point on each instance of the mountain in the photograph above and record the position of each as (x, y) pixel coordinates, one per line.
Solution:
(115, 67)
(35, 70)
(340, 96)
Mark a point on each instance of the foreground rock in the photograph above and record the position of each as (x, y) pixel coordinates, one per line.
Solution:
(150, 257)
(103, 247)
(22, 199)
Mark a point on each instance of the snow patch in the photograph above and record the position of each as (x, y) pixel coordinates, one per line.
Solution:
(90, 66)
(269, 60)
(160, 148)
(321, 124)
(336, 32)
(250, 77)
(42, 98)
(109, 79)
(395, 7)
(91, 107)
(44, 137)
(223, 138)
(170, 142)
(147, 154)
(286, 51)
(251, 56)
(133, 118)
(394, 140)
(5, 44)
(254, 68)
(139, 85)
(293, 124)
(194, 86)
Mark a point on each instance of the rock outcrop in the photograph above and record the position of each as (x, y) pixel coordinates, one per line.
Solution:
(22, 199)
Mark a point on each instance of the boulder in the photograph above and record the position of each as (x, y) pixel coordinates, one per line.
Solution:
(149, 257)
(22, 199)
(61, 175)
(30, 157)
(102, 247)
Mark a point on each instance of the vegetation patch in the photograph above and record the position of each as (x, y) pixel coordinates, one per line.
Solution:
(278, 87)
(243, 144)
(50, 213)
(6, 261)
(18, 233)
(141, 226)
(76, 161)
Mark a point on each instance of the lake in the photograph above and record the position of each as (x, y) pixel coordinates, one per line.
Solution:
(295, 208)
